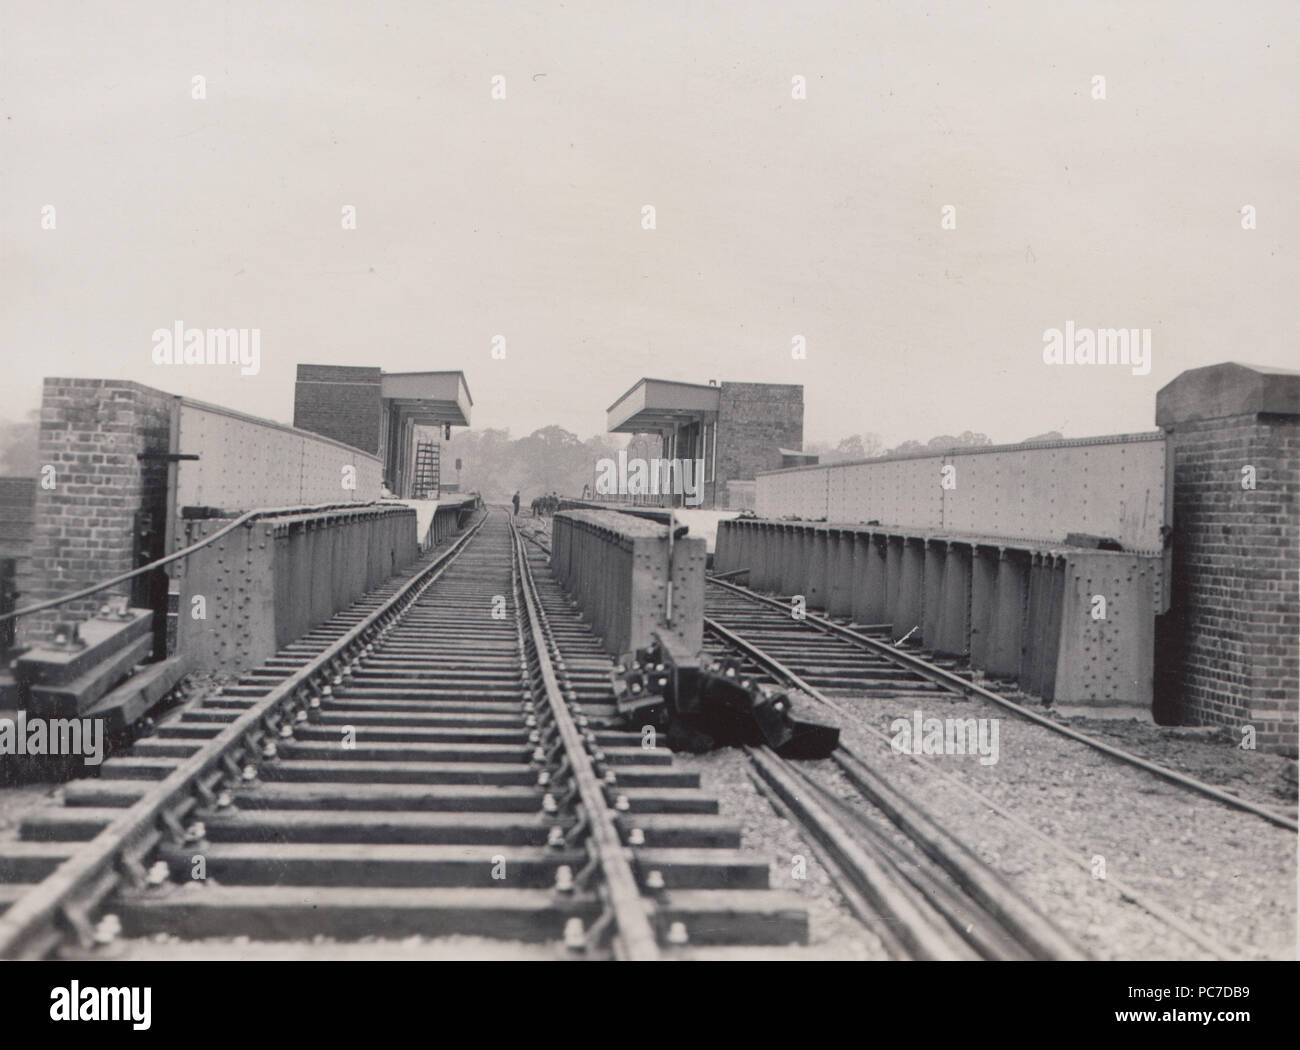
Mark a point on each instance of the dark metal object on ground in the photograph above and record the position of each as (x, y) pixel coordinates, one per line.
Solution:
(705, 703)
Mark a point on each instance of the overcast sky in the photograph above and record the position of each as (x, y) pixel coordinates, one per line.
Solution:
(775, 216)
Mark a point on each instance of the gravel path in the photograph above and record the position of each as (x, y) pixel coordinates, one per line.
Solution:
(1227, 873)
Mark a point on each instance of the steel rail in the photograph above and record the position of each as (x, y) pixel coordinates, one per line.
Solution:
(1126, 892)
(910, 919)
(244, 519)
(1028, 927)
(1031, 929)
(634, 931)
(957, 684)
(979, 929)
(86, 877)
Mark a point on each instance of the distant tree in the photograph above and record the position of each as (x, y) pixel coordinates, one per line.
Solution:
(18, 445)
(855, 446)
(1051, 435)
(967, 439)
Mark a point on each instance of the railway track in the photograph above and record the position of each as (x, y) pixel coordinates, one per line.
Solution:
(834, 658)
(921, 889)
(435, 760)
(820, 658)
(918, 888)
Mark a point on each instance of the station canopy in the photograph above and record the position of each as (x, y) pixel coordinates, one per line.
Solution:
(656, 405)
(427, 398)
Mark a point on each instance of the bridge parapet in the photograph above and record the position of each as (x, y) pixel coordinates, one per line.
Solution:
(1022, 611)
(449, 517)
(234, 602)
(631, 577)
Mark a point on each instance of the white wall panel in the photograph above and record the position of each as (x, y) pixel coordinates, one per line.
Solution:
(245, 463)
(1113, 487)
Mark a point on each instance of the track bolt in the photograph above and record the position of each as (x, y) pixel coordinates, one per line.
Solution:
(539, 755)
(543, 778)
(654, 882)
(730, 672)
(636, 837)
(195, 832)
(564, 879)
(300, 716)
(108, 929)
(548, 803)
(249, 772)
(575, 938)
(158, 873)
(286, 731)
(534, 737)
(677, 934)
(337, 680)
(530, 721)
(611, 777)
(555, 838)
(268, 749)
(327, 690)
(225, 800)
(314, 703)
(622, 804)
(582, 721)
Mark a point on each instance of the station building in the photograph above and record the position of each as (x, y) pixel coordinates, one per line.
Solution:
(404, 418)
(736, 429)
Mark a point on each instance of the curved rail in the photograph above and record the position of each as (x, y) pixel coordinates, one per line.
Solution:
(870, 786)
(955, 683)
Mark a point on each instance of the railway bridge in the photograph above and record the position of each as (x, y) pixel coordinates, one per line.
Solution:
(338, 700)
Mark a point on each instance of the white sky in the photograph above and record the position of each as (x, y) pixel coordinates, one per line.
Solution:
(775, 217)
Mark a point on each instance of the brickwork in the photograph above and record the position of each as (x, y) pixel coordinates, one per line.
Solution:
(86, 514)
(1236, 568)
(1235, 611)
(341, 402)
(17, 506)
(755, 421)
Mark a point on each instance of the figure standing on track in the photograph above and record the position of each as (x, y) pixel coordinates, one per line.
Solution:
(515, 500)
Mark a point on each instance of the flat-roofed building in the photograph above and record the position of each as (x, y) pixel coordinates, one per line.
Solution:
(734, 429)
(402, 417)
